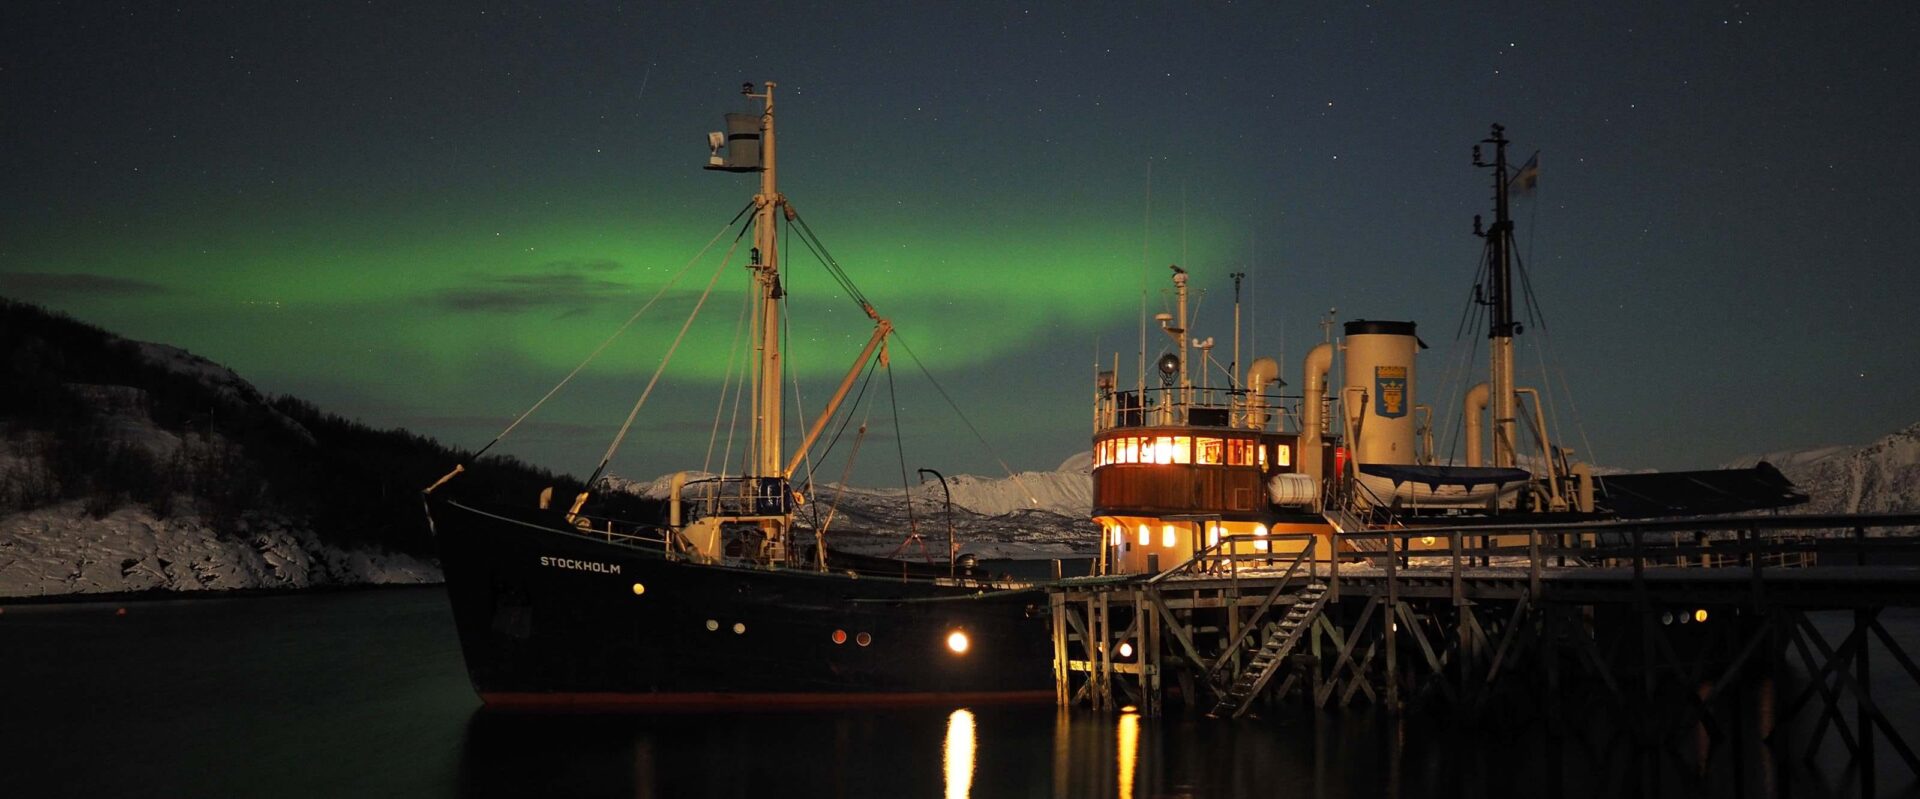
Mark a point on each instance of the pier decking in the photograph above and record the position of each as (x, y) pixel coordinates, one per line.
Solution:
(1657, 620)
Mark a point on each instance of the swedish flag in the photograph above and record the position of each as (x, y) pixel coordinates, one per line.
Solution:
(1526, 177)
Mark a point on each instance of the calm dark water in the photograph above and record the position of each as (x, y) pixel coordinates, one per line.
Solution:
(363, 694)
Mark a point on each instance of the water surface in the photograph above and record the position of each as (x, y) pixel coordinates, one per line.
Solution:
(363, 693)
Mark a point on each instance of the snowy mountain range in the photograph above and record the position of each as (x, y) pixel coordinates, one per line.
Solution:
(1879, 477)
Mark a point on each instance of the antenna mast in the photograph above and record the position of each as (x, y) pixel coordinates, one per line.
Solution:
(1501, 327)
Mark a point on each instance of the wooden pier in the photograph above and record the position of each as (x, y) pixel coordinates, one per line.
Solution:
(1652, 621)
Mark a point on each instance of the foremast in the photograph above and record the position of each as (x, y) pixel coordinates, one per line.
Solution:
(766, 443)
(769, 473)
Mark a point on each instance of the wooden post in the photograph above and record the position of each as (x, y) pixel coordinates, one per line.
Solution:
(1106, 650)
(1056, 602)
(1389, 627)
(1154, 657)
(1453, 541)
(1639, 572)
(1333, 567)
(1863, 710)
(1533, 565)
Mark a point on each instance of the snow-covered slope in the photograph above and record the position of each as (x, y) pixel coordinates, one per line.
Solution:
(62, 550)
(104, 498)
(1880, 477)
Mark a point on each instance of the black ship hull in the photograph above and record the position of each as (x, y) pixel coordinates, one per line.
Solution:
(548, 616)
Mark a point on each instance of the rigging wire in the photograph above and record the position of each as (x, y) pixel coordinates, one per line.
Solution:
(786, 342)
(1461, 360)
(726, 382)
(1550, 356)
(1031, 499)
(812, 241)
(900, 447)
(835, 440)
(739, 393)
(819, 248)
(617, 332)
(664, 359)
(845, 420)
(840, 491)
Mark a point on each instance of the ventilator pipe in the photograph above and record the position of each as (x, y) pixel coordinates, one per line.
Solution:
(1319, 362)
(1261, 372)
(674, 486)
(1583, 482)
(1476, 408)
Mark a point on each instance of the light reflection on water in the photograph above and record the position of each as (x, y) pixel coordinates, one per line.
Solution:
(958, 752)
(1128, 739)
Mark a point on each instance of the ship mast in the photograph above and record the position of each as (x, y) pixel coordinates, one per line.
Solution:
(766, 440)
(1501, 327)
(750, 148)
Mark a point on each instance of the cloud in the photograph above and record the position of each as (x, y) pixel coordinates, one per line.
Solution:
(42, 285)
(569, 286)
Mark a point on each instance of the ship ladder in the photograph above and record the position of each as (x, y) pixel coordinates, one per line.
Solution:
(1280, 643)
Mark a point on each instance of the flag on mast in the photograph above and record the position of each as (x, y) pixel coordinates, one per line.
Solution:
(1526, 177)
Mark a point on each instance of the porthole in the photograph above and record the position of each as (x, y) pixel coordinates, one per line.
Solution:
(712, 625)
(639, 589)
(739, 629)
(863, 639)
(839, 636)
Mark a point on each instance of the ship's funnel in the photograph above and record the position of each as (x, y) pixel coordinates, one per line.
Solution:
(1379, 362)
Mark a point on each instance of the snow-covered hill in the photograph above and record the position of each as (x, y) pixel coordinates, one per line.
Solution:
(62, 550)
(1879, 477)
(133, 466)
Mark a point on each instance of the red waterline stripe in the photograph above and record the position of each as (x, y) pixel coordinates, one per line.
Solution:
(751, 701)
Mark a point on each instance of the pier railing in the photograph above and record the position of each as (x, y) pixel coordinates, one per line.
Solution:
(1754, 543)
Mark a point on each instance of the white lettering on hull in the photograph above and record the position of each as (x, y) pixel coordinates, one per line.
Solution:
(579, 565)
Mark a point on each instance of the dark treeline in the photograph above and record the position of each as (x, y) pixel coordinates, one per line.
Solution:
(72, 397)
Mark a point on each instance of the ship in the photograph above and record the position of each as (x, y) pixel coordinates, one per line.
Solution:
(722, 603)
(1184, 464)
(727, 602)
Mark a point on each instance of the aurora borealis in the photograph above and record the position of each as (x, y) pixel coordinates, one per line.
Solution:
(422, 215)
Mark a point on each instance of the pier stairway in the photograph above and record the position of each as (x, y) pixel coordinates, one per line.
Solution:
(1281, 640)
(1344, 520)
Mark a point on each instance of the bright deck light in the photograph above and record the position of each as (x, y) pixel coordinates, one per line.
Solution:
(1126, 649)
(957, 642)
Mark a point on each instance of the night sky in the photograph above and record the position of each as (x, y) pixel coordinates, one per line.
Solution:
(423, 215)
